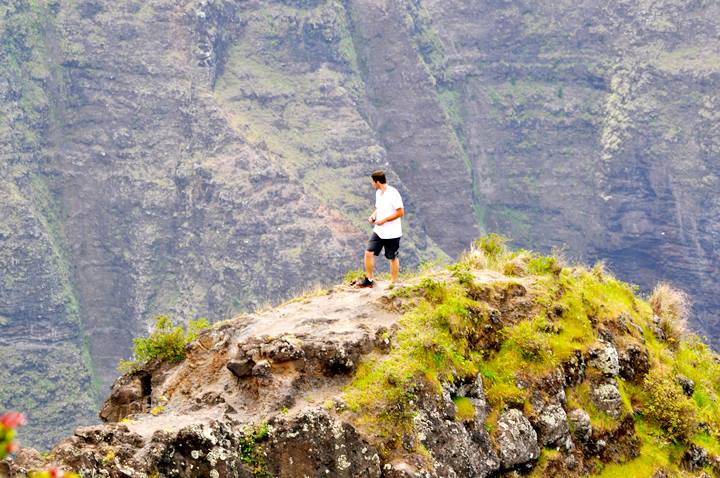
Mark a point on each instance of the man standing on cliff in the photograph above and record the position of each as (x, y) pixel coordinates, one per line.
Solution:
(387, 230)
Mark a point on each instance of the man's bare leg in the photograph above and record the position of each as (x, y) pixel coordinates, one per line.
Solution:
(369, 264)
(394, 269)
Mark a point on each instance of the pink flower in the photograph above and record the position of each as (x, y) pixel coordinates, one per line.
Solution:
(12, 447)
(12, 420)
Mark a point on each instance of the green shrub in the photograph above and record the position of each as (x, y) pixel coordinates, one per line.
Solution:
(487, 252)
(353, 276)
(461, 273)
(166, 342)
(434, 291)
(493, 245)
(531, 342)
(250, 453)
(517, 265)
(543, 265)
(666, 404)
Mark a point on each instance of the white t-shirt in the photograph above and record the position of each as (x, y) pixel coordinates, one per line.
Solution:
(387, 204)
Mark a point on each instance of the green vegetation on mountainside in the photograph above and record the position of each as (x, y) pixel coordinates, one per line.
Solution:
(49, 375)
(292, 85)
(55, 396)
(449, 334)
(24, 62)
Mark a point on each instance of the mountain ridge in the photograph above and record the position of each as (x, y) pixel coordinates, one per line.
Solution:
(506, 361)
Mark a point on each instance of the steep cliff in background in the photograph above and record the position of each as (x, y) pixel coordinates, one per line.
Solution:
(593, 127)
(204, 157)
(46, 365)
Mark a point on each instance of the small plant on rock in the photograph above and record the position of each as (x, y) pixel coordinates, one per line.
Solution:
(354, 276)
(250, 453)
(464, 409)
(493, 245)
(666, 404)
(518, 264)
(461, 273)
(487, 252)
(166, 342)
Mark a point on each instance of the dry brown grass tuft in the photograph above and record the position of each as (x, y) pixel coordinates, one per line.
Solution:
(671, 307)
(600, 270)
(475, 258)
(517, 266)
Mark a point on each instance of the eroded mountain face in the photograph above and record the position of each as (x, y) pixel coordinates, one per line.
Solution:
(592, 127)
(204, 157)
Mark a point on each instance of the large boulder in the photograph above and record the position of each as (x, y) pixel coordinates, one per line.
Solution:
(606, 397)
(551, 424)
(634, 363)
(516, 440)
(580, 425)
(316, 444)
(604, 357)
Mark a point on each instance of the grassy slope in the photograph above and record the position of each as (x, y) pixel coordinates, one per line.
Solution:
(441, 335)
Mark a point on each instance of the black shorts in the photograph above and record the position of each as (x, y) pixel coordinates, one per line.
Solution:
(376, 244)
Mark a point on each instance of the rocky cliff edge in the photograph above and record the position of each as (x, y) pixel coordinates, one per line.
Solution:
(504, 363)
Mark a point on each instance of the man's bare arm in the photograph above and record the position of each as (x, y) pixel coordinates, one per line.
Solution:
(399, 212)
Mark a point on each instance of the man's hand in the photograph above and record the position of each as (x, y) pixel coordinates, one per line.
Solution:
(371, 219)
(380, 222)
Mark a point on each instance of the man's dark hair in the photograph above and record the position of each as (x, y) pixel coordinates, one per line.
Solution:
(379, 176)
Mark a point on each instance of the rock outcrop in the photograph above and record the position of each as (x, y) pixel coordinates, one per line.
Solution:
(400, 382)
(517, 440)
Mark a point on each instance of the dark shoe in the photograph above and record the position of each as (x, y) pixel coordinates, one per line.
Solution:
(365, 283)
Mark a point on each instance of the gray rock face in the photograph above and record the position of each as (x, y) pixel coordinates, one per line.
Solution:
(580, 424)
(606, 397)
(551, 424)
(130, 394)
(687, 385)
(604, 357)
(262, 370)
(516, 439)
(241, 368)
(315, 444)
(574, 369)
(695, 458)
(634, 363)
(458, 449)
(475, 392)
(312, 444)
